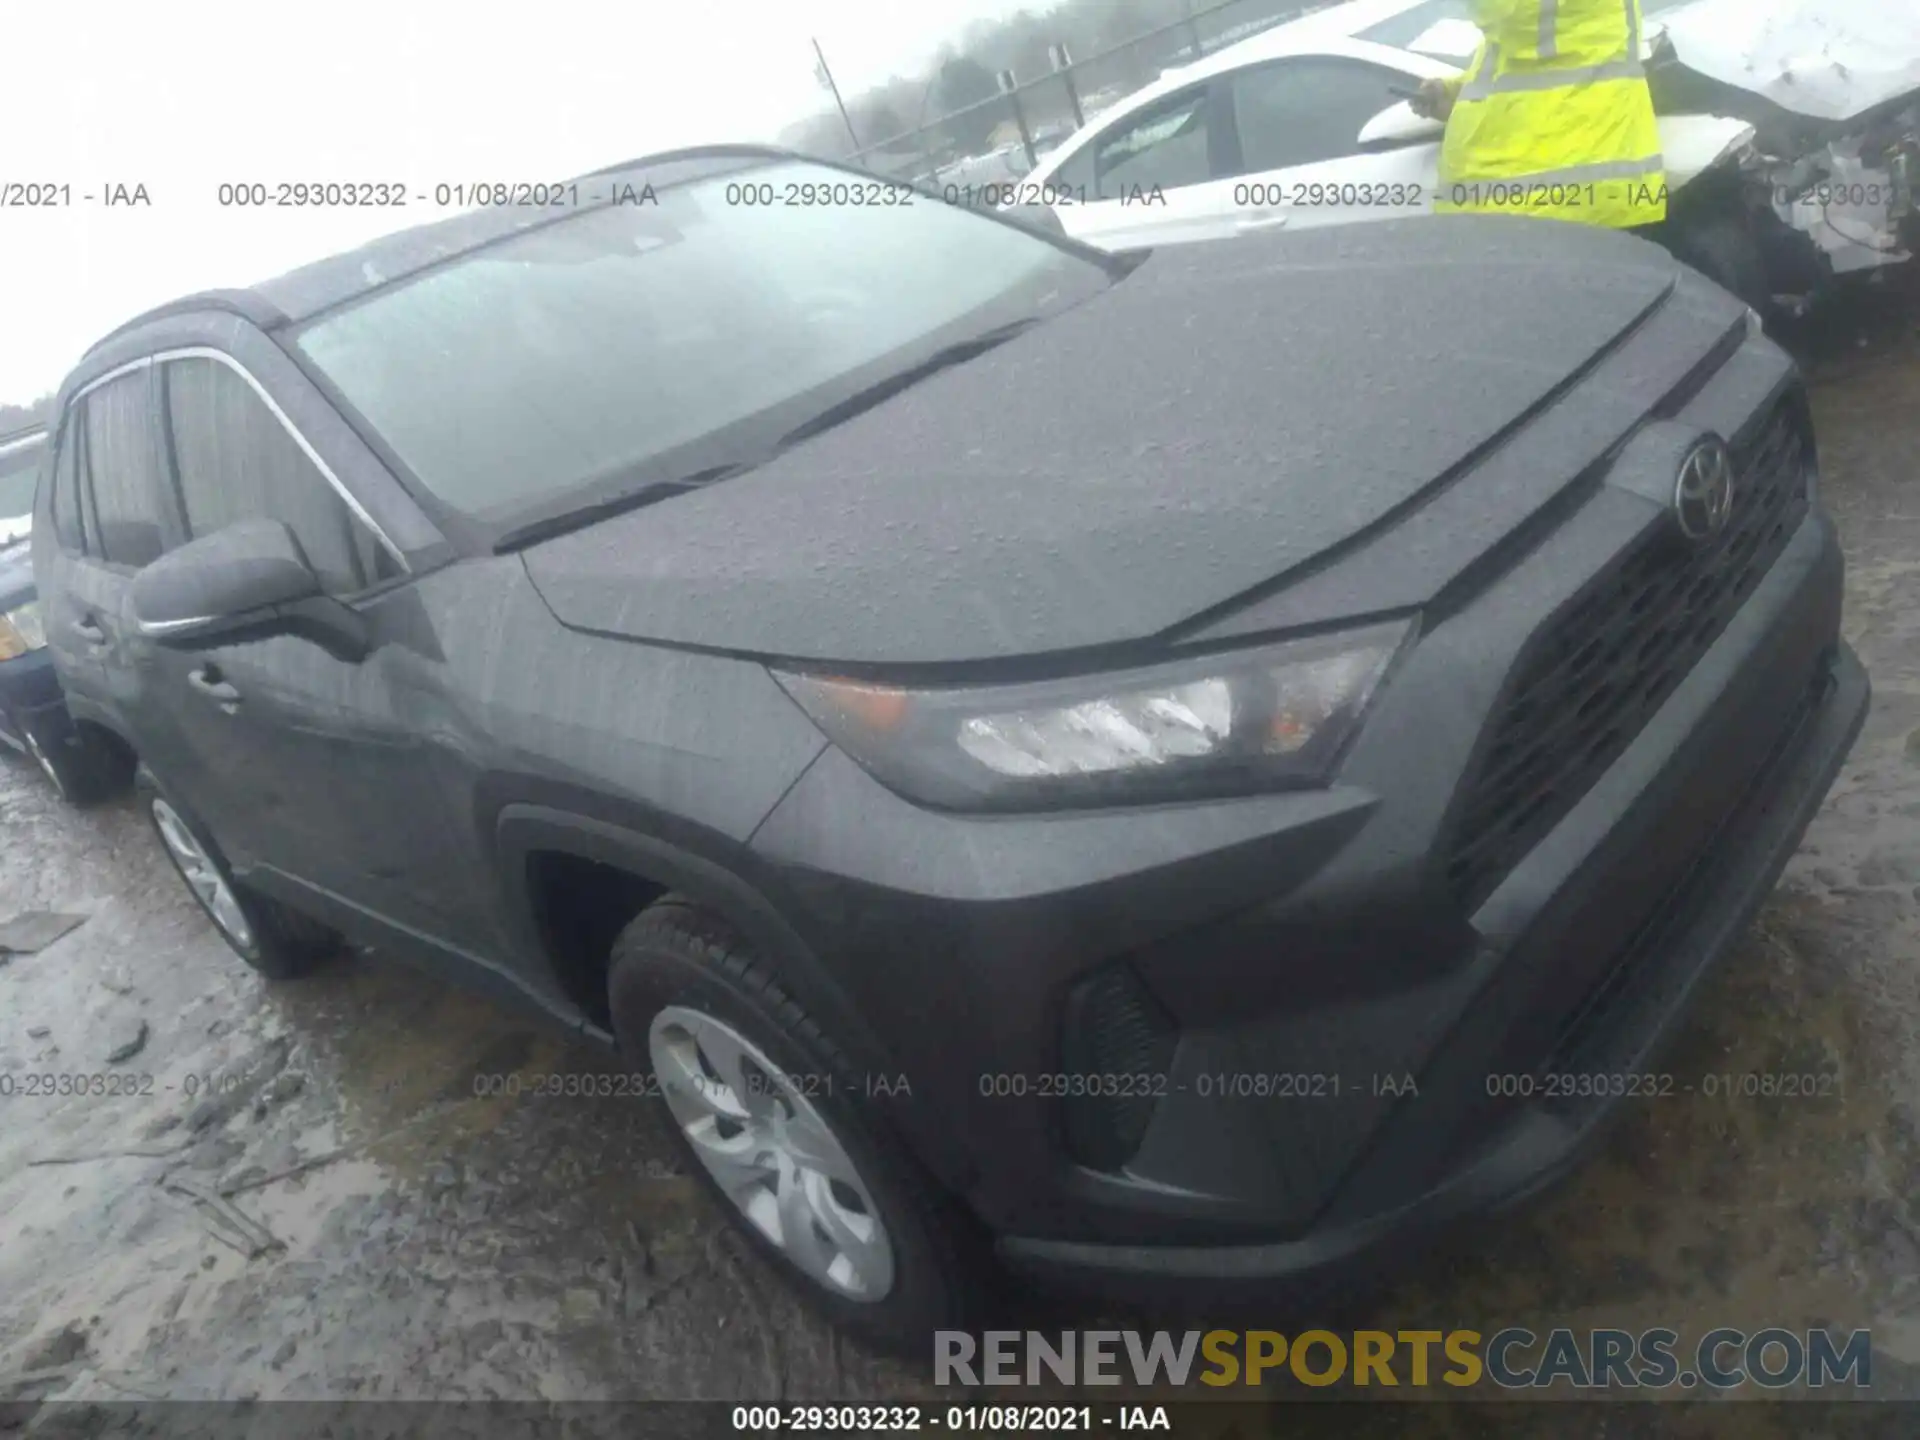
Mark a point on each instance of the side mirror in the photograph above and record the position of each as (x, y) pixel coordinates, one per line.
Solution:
(1397, 125)
(229, 577)
(250, 578)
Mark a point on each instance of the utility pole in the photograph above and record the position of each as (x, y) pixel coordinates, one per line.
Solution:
(825, 77)
(1062, 62)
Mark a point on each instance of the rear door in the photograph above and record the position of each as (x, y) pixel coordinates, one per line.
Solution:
(1290, 132)
(59, 552)
(108, 520)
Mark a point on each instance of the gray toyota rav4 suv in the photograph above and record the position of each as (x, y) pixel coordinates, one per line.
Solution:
(1179, 775)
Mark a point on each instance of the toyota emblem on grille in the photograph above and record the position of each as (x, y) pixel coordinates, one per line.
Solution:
(1703, 495)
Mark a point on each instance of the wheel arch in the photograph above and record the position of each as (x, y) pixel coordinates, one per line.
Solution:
(93, 719)
(526, 834)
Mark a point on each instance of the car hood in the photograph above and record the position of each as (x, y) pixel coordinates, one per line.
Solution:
(1826, 59)
(1221, 418)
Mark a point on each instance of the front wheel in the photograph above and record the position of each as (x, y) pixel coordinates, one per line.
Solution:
(274, 940)
(777, 1124)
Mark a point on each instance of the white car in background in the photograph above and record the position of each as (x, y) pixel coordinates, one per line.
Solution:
(1307, 124)
(19, 465)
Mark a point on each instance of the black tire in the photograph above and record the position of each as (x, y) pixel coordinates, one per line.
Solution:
(83, 768)
(677, 953)
(283, 944)
(1724, 249)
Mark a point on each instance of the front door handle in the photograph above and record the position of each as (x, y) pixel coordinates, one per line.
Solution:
(206, 679)
(89, 630)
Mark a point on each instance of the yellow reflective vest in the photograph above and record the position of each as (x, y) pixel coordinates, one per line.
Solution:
(1553, 118)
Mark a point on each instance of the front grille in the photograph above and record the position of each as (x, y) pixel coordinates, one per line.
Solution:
(1596, 673)
(1115, 1046)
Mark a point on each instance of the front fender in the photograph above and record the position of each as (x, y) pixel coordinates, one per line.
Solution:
(733, 887)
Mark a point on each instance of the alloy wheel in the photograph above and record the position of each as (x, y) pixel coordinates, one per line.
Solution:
(772, 1152)
(202, 875)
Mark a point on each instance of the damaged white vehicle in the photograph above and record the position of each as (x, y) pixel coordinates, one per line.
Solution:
(1790, 129)
(1832, 88)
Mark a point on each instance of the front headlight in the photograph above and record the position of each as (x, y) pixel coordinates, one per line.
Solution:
(1215, 724)
(21, 631)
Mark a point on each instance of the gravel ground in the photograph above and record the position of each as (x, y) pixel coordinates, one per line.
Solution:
(309, 1201)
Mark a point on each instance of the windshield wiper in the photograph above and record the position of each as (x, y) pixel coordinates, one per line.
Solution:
(865, 399)
(618, 503)
(621, 501)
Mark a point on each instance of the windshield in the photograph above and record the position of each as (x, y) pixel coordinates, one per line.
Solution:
(1409, 25)
(570, 356)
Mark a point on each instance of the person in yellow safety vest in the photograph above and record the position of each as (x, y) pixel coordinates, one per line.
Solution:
(1553, 117)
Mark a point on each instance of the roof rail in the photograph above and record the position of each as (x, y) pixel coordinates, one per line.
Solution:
(243, 303)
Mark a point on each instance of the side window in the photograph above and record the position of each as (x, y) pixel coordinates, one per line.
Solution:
(122, 472)
(1076, 171)
(234, 460)
(1165, 145)
(1300, 112)
(66, 488)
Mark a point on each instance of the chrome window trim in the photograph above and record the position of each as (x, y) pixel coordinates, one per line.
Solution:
(116, 373)
(207, 352)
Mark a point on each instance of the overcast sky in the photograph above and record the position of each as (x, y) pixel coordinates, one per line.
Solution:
(182, 95)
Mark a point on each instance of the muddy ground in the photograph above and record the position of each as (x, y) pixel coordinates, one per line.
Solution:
(313, 1203)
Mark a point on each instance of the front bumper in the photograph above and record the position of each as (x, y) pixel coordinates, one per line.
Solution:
(1279, 967)
(1539, 1142)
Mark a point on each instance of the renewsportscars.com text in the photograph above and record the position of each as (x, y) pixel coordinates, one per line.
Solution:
(1513, 1358)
